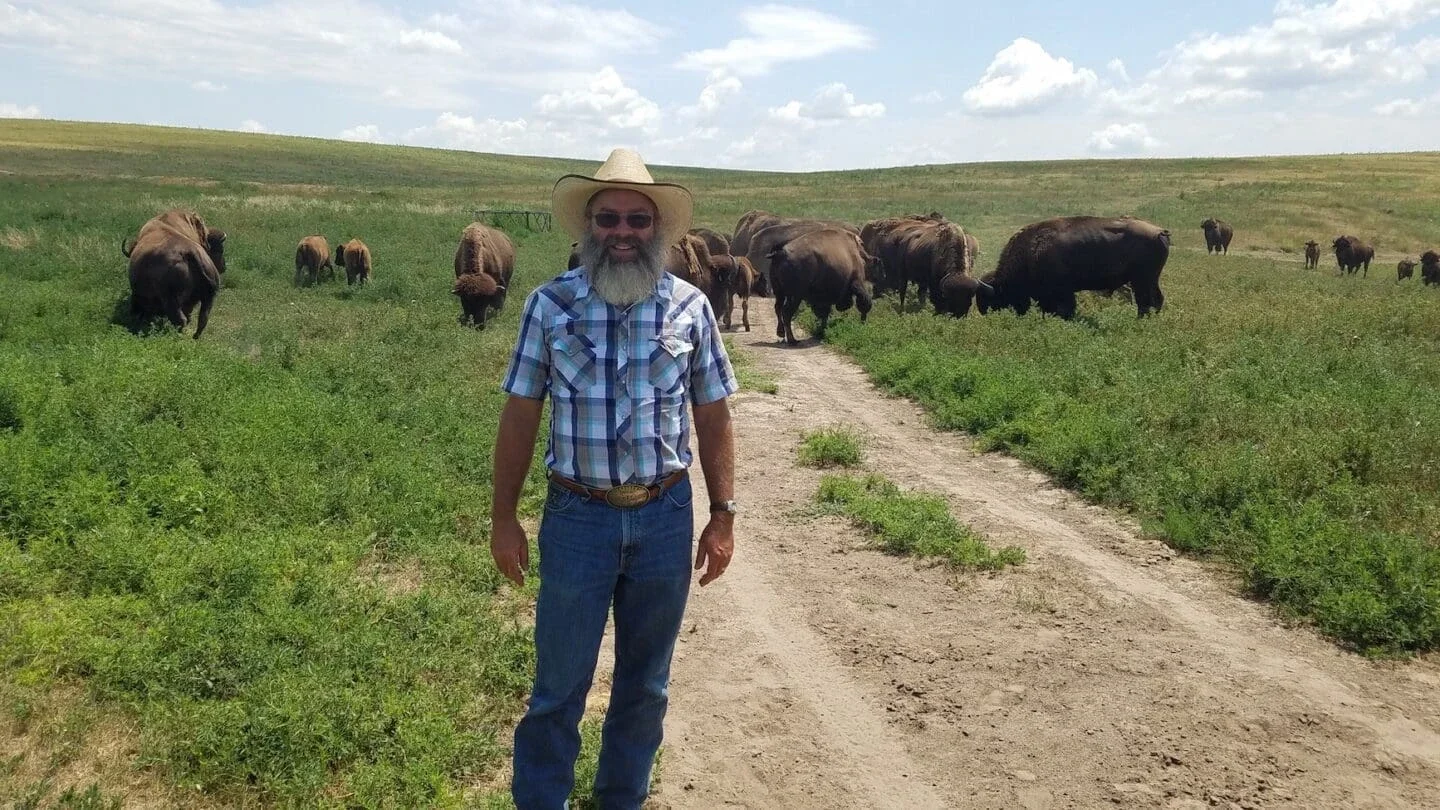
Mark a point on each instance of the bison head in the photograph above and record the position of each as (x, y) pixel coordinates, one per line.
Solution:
(215, 246)
(478, 293)
(1430, 258)
(1210, 225)
(987, 293)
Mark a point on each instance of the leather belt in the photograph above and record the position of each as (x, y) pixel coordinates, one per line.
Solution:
(625, 496)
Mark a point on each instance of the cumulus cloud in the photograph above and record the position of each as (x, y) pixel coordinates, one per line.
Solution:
(831, 103)
(606, 101)
(1400, 108)
(1122, 139)
(932, 97)
(779, 34)
(251, 125)
(362, 132)
(1024, 77)
(432, 41)
(9, 110)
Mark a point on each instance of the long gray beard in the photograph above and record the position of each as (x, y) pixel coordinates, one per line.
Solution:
(622, 283)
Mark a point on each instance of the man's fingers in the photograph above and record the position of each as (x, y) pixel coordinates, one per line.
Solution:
(700, 553)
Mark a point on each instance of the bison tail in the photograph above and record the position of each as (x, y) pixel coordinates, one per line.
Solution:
(863, 301)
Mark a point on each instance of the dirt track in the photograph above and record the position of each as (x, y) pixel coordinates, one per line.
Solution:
(818, 673)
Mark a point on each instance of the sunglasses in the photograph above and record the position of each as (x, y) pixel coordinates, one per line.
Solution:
(609, 219)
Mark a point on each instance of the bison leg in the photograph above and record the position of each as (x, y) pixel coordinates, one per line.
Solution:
(176, 314)
(204, 317)
(745, 312)
(792, 306)
(822, 313)
(779, 316)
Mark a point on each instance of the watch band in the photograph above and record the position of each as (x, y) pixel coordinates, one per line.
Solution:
(723, 506)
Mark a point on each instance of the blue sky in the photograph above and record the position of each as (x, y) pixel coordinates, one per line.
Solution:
(795, 86)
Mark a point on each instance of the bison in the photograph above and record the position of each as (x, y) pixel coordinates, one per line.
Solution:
(1312, 254)
(1050, 261)
(953, 294)
(1217, 235)
(731, 276)
(484, 262)
(1351, 254)
(1430, 267)
(718, 243)
(175, 263)
(311, 257)
(824, 268)
(690, 259)
(1405, 269)
(354, 256)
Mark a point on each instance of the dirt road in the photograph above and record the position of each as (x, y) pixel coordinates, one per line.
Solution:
(818, 673)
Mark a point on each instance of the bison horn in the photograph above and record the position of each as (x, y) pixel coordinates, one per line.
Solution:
(985, 284)
(499, 288)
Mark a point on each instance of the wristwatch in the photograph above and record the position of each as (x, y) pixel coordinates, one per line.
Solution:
(724, 506)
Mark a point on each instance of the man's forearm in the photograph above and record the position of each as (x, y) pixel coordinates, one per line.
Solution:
(717, 449)
(514, 447)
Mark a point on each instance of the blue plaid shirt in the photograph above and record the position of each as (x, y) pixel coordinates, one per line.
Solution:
(619, 379)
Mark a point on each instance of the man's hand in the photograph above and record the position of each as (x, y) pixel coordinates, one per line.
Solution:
(511, 549)
(717, 546)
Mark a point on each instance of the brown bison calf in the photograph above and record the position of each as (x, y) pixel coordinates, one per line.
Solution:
(731, 276)
(1312, 254)
(825, 269)
(1405, 269)
(175, 263)
(312, 256)
(354, 256)
(484, 262)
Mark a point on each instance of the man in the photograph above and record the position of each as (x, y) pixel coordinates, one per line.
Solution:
(621, 347)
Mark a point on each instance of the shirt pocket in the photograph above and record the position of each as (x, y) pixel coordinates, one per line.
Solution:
(574, 361)
(669, 362)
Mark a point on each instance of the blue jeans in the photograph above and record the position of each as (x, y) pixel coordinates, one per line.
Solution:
(592, 556)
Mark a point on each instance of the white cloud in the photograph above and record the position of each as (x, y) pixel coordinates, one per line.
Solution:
(1023, 78)
(1122, 139)
(207, 86)
(831, 103)
(1400, 108)
(433, 41)
(362, 132)
(1117, 67)
(251, 125)
(8, 110)
(516, 136)
(779, 34)
(714, 95)
(368, 49)
(932, 97)
(605, 102)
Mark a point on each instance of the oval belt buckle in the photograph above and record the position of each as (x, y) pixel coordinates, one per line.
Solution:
(627, 496)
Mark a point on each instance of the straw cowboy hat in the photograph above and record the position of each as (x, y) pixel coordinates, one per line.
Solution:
(623, 169)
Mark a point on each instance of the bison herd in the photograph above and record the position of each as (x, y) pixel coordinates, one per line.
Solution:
(176, 262)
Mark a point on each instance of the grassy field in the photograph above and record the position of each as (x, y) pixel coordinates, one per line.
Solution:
(256, 564)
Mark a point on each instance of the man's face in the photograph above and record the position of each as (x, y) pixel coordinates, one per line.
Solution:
(622, 220)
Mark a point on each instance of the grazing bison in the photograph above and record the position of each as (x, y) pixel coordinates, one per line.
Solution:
(731, 276)
(175, 263)
(690, 259)
(1312, 254)
(484, 262)
(952, 296)
(1430, 267)
(1217, 235)
(312, 256)
(1351, 254)
(354, 256)
(825, 269)
(717, 243)
(1405, 269)
(1050, 261)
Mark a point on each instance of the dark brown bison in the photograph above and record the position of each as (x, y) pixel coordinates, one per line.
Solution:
(1351, 254)
(484, 262)
(952, 296)
(732, 276)
(175, 263)
(825, 269)
(1049, 261)
(354, 256)
(1312, 254)
(1217, 235)
(764, 241)
(923, 254)
(311, 257)
(1405, 269)
(690, 259)
(750, 223)
(1430, 267)
(718, 243)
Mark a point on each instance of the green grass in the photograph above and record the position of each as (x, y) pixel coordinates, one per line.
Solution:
(916, 525)
(831, 447)
(266, 549)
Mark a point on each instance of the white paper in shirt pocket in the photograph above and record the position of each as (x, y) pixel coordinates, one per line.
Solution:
(669, 361)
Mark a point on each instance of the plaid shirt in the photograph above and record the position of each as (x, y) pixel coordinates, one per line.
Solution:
(619, 379)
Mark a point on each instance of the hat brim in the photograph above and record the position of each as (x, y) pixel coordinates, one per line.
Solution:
(673, 204)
